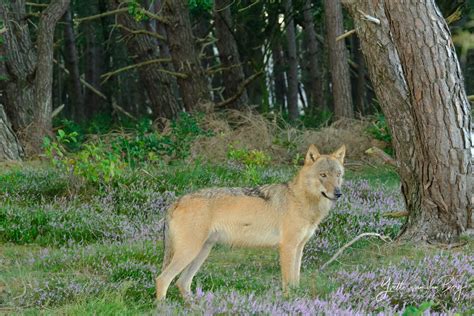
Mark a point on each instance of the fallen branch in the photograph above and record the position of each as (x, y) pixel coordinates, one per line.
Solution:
(470, 98)
(341, 250)
(84, 83)
(240, 90)
(3, 30)
(347, 34)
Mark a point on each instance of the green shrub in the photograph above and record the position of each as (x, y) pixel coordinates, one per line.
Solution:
(380, 130)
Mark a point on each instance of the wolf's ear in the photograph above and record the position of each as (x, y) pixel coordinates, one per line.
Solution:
(340, 154)
(311, 155)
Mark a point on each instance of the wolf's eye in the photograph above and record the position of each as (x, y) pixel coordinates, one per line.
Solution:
(323, 175)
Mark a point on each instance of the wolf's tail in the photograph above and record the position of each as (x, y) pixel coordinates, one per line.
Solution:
(168, 249)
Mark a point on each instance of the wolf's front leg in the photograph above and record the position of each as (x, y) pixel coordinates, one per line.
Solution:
(288, 260)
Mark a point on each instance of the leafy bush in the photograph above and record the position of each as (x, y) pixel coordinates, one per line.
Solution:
(379, 130)
(94, 163)
(248, 157)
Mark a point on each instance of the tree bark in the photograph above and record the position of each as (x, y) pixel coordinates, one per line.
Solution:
(20, 60)
(157, 84)
(338, 60)
(416, 76)
(313, 50)
(29, 94)
(193, 87)
(44, 71)
(278, 73)
(71, 58)
(292, 74)
(360, 89)
(233, 75)
(10, 148)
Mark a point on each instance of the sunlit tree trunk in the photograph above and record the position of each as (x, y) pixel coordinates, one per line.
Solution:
(416, 76)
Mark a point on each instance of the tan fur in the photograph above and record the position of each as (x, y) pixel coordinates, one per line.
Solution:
(283, 215)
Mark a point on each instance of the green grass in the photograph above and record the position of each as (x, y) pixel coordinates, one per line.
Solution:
(85, 274)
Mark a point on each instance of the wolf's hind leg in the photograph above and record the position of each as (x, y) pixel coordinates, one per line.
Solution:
(186, 278)
(181, 258)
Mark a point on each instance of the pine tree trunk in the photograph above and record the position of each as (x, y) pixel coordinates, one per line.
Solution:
(157, 84)
(360, 89)
(338, 60)
(423, 98)
(71, 58)
(233, 75)
(279, 76)
(315, 77)
(193, 87)
(292, 74)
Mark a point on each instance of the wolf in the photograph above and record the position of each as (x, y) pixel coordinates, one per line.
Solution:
(276, 215)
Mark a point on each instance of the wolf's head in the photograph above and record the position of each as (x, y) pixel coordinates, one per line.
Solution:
(323, 174)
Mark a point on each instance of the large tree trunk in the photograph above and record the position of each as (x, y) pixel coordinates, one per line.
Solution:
(416, 76)
(29, 95)
(338, 60)
(292, 74)
(233, 74)
(193, 85)
(10, 148)
(20, 59)
(144, 48)
(315, 76)
(44, 71)
(71, 58)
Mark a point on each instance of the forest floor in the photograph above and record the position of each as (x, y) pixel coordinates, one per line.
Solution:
(81, 249)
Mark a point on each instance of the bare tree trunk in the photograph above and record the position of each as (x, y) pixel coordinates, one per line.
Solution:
(233, 74)
(338, 60)
(292, 74)
(93, 68)
(71, 58)
(360, 89)
(143, 48)
(279, 76)
(193, 86)
(315, 76)
(423, 98)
